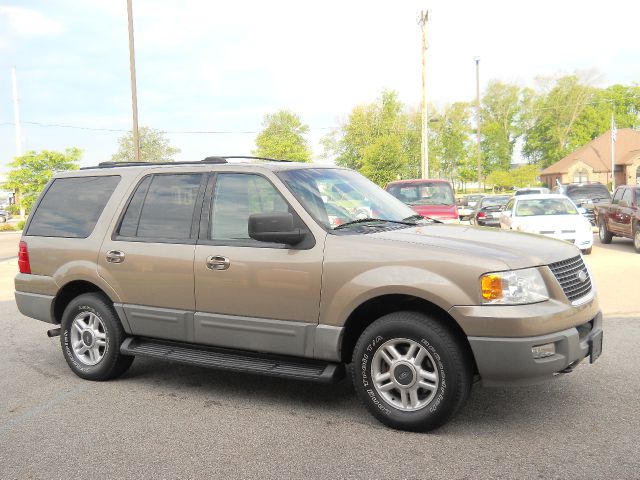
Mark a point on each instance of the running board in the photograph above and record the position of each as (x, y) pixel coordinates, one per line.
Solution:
(234, 360)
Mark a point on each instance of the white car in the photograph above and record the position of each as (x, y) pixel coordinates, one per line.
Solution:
(552, 215)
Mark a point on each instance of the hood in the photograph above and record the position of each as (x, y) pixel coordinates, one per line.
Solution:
(515, 249)
(436, 211)
(552, 223)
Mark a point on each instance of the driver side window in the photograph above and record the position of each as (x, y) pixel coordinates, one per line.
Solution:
(236, 197)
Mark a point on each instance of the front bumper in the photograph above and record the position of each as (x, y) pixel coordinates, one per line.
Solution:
(509, 361)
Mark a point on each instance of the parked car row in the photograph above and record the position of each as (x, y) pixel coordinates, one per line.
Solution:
(568, 214)
(532, 209)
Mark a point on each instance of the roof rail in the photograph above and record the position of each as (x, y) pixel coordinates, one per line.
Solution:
(255, 158)
(212, 160)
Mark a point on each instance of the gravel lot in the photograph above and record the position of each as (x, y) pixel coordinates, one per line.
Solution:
(164, 420)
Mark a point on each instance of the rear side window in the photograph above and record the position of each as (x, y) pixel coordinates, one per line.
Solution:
(162, 208)
(71, 207)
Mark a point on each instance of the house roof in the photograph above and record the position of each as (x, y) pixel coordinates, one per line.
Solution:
(597, 153)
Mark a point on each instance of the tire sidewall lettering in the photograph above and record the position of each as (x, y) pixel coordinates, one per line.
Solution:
(70, 354)
(364, 375)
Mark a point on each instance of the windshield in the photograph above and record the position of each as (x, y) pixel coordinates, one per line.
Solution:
(545, 206)
(335, 196)
(590, 192)
(494, 201)
(423, 193)
(529, 191)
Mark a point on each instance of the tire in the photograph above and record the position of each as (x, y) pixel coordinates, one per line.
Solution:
(446, 367)
(587, 251)
(636, 238)
(90, 320)
(3, 219)
(603, 233)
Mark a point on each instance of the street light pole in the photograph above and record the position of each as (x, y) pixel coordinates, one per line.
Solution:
(477, 59)
(424, 151)
(16, 121)
(134, 91)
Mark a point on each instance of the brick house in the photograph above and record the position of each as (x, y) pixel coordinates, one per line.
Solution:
(592, 162)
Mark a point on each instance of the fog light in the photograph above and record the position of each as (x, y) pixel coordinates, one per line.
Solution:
(543, 351)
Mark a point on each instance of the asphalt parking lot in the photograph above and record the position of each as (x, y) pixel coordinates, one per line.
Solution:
(163, 420)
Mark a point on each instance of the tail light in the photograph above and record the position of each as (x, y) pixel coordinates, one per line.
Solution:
(23, 258)
(481, 215)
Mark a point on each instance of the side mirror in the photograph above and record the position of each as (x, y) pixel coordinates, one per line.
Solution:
(275, 228)
(582, 210)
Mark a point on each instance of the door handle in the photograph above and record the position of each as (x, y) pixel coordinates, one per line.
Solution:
(218, 262)
(115, 256)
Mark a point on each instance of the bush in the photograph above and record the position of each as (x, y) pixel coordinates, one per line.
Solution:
(7, 227)
(13, 209)
(20, 224)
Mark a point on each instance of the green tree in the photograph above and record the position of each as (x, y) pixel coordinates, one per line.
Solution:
(595, 119)
(526, 176)
(500, 179)
(499, 124)
(154, 147)
(31, 172)
(551, 117)
(450, 142)
(283, 138)
(381, 140)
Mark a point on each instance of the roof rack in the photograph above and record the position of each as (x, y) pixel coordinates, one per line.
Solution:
(210, 160)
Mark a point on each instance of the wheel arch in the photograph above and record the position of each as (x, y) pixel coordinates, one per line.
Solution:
(70, 291)
(372, 309)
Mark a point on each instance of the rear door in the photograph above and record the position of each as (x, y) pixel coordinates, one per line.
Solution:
(254, 295)
(148, 259)
(626, 212)
(613, 220)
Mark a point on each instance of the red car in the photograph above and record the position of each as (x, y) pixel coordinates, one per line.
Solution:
(429, 198)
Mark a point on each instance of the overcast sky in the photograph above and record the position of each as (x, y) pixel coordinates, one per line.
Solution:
(221, 66)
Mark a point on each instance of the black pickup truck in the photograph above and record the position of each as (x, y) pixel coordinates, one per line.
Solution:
(621, 217)
(586, 195)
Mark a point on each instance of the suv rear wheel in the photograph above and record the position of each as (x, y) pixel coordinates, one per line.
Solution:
(91, 337)
(410, 372)
(636, 237)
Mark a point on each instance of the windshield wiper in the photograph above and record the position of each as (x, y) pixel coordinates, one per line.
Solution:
(417, 216)
(370, 219)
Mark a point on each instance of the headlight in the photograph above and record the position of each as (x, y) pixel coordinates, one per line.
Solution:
(514, 287)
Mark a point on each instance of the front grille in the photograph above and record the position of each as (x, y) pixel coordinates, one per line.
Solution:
(567, 272)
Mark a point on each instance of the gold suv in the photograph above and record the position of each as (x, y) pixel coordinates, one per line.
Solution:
(238, 265)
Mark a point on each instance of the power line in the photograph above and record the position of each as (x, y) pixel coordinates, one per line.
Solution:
(120, 130)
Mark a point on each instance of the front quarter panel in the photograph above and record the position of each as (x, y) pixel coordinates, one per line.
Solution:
(360, 267)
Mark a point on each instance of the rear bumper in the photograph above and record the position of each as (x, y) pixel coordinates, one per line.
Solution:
(36, 306)
(509, 361)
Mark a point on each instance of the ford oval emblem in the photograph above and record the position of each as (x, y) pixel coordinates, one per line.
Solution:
(582, 276)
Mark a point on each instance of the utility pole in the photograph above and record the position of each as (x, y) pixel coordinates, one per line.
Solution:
(424, 151)
(16, 121)
(16, 112)
(134, 91)
(614, 132)
(477, 59)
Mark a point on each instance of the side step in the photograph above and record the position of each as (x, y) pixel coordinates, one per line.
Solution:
(234, 360)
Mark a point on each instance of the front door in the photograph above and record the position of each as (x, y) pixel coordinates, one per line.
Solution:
(253, 295)
(149, 258)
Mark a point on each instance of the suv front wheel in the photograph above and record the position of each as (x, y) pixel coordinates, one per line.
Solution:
(410, 372)
(91, 335)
